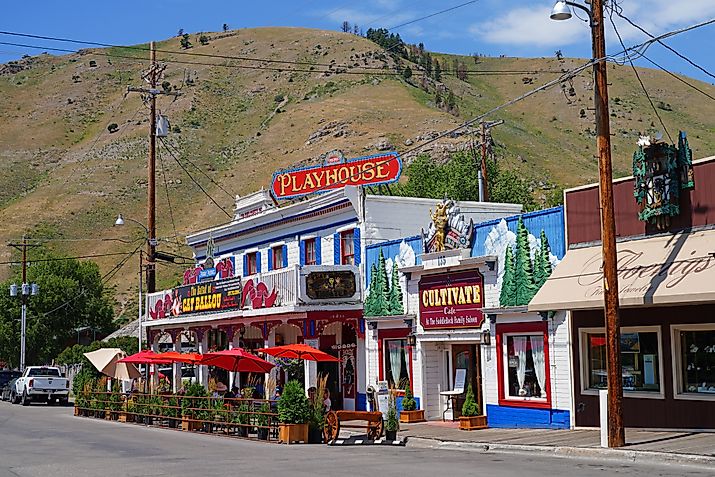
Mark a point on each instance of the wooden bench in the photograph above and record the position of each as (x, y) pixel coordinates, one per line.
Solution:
(373, 427)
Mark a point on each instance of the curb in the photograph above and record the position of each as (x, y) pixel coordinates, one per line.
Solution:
(631, 456)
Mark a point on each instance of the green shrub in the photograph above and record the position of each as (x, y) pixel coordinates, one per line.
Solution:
(264, 418)
(392, 423)
(408, 402)
(293, 406)
(470, 407)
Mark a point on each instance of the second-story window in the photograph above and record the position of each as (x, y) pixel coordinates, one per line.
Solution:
(277, 257)
(252, 263)
(310, 255)
(347, 247)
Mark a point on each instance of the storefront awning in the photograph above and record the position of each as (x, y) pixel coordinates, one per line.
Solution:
(662, 270)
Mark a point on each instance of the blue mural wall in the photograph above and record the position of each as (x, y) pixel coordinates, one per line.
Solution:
(551, 221)
(390, 250)
(520, 417)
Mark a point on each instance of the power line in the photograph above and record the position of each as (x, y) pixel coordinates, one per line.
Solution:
(678, 77)
(59, 259)
(433, 14)
(619, 11)
(195, 181)
(168, 145)
(638, 77)
(168, 199)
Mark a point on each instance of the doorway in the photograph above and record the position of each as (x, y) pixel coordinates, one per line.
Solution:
(466, 356)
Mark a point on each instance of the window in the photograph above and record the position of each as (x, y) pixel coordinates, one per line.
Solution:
(397, 369)
(694, 356)
(526, 366)
(277, 257)
(640, 359)
(252, 263)
(347, 247)
(310, 255)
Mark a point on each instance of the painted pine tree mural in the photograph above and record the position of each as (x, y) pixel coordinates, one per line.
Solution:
(370, 299)
(545, 254)
(395, 295)
(508, 286)
(523, 269)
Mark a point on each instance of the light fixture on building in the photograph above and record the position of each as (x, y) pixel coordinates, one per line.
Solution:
(491, 265)
(486, 337)
(372, 325)
(408, 322)
(411, 340)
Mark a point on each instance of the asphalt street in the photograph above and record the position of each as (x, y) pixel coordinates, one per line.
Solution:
(51, 442)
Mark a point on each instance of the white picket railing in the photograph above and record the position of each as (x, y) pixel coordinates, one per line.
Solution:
(284, 281)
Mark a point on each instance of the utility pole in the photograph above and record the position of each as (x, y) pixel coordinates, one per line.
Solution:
(152, 76)
(616, 431)
(25, 292)
(486, 136)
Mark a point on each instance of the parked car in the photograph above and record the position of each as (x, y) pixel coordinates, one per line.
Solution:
(42, 383)
(7, 392)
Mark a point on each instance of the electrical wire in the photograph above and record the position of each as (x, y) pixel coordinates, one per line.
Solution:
(168, 145)
(168, 199)
(59, 259)
(705, 93)
(433, 14)
(619, 11)
(194, 180)
(638, 77)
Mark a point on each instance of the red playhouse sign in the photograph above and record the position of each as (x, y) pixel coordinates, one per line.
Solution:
(452, 300)
(372, 170)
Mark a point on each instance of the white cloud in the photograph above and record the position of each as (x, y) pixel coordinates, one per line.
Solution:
(530, 26)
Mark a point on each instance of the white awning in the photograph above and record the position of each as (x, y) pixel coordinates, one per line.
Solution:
(661, 270)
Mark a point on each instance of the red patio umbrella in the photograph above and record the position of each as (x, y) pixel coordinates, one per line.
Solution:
(237, 360)
(298, 351)
(145, 357)
(176, 357)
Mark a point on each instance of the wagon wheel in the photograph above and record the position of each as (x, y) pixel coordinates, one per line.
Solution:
(331, 430)
(375, 430)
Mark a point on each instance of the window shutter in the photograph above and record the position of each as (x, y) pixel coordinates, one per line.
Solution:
(245, 264)
(318, 251)
(356, 245)
(336, 249)
(285, 256)
(258, 262)
(270, 259)
(301, 252)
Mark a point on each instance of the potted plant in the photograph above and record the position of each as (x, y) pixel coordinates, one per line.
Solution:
(471, 417)
(131, 409)
(171, 411)
(263, 421)
(392, 423)
(219, 412)
(193, 401)
(293, 413)
(115, 403)
(409, 412)
(317, 411)
(241, 418)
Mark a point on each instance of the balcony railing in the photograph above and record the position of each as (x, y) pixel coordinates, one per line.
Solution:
(284, 282)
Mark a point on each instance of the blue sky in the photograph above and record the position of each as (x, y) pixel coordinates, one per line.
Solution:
(493, 27)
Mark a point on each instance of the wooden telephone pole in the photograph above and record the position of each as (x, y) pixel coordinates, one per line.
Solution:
(485, 138)
(616, 431)
(152, 76)
(26, 289)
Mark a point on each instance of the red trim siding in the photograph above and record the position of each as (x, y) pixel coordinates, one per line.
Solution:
(522, 328)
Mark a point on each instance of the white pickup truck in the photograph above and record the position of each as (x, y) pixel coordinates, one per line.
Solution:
(42, 383)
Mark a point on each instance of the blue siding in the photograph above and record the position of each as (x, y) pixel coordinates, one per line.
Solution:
(398, 402)
(318, 250)
(551, 221)
(336, 249)
(361, 402)
(390, 250)
(521, 417)
(357, 249)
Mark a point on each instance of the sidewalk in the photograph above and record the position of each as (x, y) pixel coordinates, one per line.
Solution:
(685, 447)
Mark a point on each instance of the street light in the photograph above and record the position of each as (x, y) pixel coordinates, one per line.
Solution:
(561, 11)
(26, 290)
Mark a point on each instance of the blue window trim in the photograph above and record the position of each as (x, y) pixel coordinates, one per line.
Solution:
(258, 261)
(337, 258)
(285, 255)
(301, 252)
(270, 259)
(357, 250)
(318, 250)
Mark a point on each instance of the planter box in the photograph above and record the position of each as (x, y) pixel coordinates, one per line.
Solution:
(187, 425)
(290, 433)
(412, 416)
(122, 417)
(76, 411)
(472, 423)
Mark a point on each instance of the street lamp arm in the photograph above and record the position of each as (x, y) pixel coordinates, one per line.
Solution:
(581, 7)
(121, 219)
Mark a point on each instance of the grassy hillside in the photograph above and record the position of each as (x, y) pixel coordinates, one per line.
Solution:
(64, 176)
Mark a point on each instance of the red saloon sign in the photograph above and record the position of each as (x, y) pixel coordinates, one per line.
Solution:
(452, 300)
(372, 170)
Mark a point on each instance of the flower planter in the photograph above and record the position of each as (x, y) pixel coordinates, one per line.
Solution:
(262, 433)
(472, 422)
(292, 433)
(412, 416)
(122, 417)
(315, 435)
(390, 435)
(188, 425)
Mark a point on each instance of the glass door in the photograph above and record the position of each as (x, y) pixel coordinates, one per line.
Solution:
(465, 356)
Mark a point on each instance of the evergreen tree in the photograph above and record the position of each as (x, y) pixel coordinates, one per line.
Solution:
(382, 289)
(507, 296)
(370, 300)
(539, 277)
(437, 71)
(185, 42)
(407, 73)
(523, 267)
(395, 296)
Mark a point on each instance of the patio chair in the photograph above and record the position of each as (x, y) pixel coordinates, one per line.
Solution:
(460, 378)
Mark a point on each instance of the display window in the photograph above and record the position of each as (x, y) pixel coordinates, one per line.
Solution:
(310, 255)
(694, 361)
(397, 369)
(523, 364)
(641, 360)
(347, 247)
(277, 257)
(252, 266)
